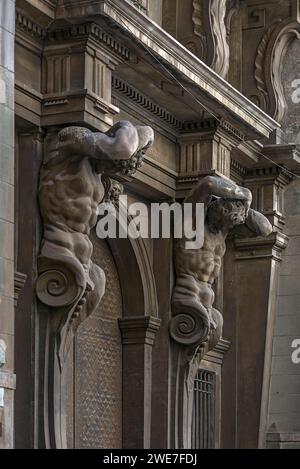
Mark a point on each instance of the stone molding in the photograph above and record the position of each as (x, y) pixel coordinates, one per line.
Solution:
(139, 329)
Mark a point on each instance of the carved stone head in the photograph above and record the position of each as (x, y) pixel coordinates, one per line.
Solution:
(225, 214)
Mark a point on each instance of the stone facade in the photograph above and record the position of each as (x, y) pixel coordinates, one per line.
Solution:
(7, 219)
(214, 80)
(284, 407)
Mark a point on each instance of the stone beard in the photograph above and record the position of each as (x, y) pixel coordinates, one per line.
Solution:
(227, 208)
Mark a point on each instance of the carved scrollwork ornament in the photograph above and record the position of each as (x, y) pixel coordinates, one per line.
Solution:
(196, 325)
(209, 19)
(57, 288)
(269, 64)
(73, 183)
(189, 328)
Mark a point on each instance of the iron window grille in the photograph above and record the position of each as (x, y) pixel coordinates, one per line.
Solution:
(204, 410)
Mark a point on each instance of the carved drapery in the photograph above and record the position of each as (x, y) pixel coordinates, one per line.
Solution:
(69, 283)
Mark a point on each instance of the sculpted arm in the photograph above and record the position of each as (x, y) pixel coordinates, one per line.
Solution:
(219, 187)
(256, 224)
(121, 142)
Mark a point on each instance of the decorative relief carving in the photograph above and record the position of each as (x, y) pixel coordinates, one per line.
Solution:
(220, 48)
(196, 324)
(210, 27)
(93, 30)
(197, 18)
(29, 26)
(256, 17)
(70, 191)
(268, 66)
(232, 8)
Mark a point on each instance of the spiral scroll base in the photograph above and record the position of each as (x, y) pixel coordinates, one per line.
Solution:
(71, 293)
(57, 288)
(196, 330)
(190, 326)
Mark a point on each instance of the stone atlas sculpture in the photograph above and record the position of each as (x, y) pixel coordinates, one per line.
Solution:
(72, 184)
(196, 325)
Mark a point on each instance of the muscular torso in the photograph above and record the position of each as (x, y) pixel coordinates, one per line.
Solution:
(203, 264)
(69, 195)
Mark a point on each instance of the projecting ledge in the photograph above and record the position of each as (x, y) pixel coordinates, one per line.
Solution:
(216, 93)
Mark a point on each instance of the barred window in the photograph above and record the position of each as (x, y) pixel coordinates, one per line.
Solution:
(204, 410)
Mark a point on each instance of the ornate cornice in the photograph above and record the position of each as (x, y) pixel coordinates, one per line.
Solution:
(29, 26)
(238, 172)
(134, 95)
(261, 248)
(90, 30)
(275, 173)
(66, 32)
(217, 354)
(233, 105)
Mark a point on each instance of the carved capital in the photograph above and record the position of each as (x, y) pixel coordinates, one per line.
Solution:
(267, 185)
(206, 146)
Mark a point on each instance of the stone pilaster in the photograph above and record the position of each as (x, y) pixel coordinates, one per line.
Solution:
(267, 186)
(7, 329)
(138, 334)
(249, 310)
(205, 148)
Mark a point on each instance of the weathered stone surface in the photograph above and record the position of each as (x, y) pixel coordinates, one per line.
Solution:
(288, 304)
(7, 315)
(7, 49)
(7, 240)
(196, 323)
(6, 277)
(72, 186)
(6, 164)
(6, 88)
(7, 124)
(289, 285)
(287, 324)
(7, 201)
(9, 342)
(7, 19)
